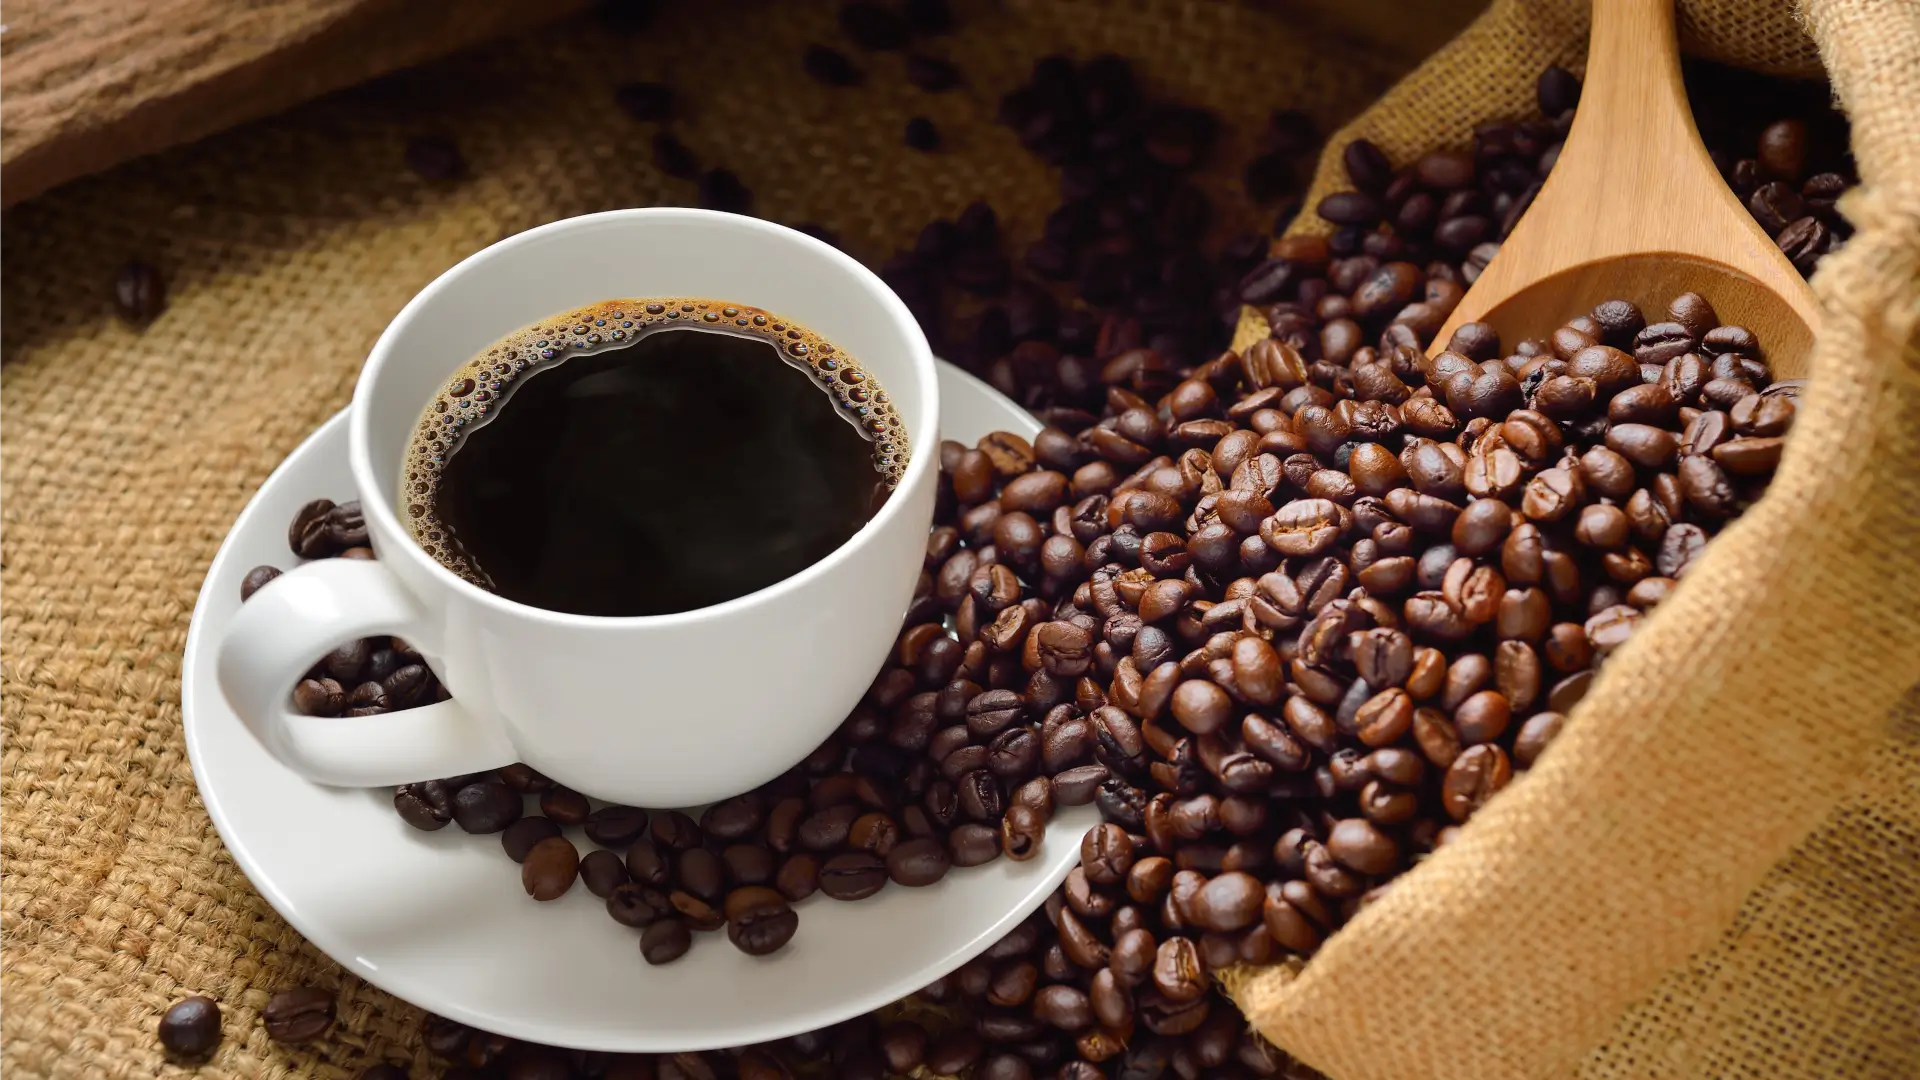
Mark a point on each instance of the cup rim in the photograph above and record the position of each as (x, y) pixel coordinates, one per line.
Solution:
(379, 509)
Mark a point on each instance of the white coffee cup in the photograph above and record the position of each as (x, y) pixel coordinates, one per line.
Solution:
(660, 710)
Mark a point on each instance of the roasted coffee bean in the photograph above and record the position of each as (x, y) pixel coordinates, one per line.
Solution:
(519, 838)
(648, 863)
(1231, 901)
(426, 806)
(671, 830)
(139, 293)
(665, 940)
(1106, 854)
(550, 868)
(485, 807)
(319, 697)
(1475, 776)
(1362, 847)
(256, 577)
(298, 1015)
(853, 876)
(733, 819)
(190, 1028)
(1533, 737)
(698, 913)
(1177, 972)
(1021, 833)
(759, 920)
(601, 871)
(701, 873)
(565, 806)
(828, 829)
(875, 832)
(1077, 786)
(347, 526)
(980, 794)
(918, 862)
(617, 826)
(798, 876)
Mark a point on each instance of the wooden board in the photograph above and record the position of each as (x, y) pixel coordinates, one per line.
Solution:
(87, 84)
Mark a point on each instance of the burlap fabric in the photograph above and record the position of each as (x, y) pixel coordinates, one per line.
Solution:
(289, 244)
(1651, 888)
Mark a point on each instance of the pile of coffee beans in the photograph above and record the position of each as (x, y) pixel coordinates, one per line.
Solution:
(1285, 645)
(1287, 616)
(1782, 147)
(1123, 261)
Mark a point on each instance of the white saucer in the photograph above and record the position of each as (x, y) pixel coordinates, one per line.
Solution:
(440, 919)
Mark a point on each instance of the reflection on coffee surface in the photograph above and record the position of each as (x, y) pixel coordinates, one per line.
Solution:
(647, 456)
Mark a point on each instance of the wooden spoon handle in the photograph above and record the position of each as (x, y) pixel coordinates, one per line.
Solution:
(1633, 179)
(1633, 172)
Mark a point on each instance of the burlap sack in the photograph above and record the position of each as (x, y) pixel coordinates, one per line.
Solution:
(1648, 901)
(288, 245)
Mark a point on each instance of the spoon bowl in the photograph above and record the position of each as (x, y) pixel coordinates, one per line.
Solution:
(1635, 210)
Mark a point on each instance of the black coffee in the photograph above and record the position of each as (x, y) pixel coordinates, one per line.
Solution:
(642, 457)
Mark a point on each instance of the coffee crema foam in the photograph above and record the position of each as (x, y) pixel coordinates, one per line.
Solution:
(483, 385)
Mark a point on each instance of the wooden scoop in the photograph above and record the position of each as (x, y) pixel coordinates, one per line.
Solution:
(1635, 210)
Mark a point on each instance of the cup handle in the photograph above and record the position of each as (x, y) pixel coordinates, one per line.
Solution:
(300, 616)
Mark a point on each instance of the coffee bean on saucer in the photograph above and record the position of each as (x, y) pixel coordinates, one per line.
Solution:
(972, 844)
(550, 868)
(255, 578)
(759, 920)
(435, 158)
(565, 805)
(602, 871)
(139, 292)
(190, 1028)
(486, 807)
(698, 912)
(299, 1014)
(308, 534)
(853, 876)
(648, 863)
(519, 838)
(701, 873)
(347, 526)
(918, 862)
(633, 904)
(521, 778)
(1021, 833)
(749, 864)
(670, 829)
(733, 819)
(616, 826)
(665, 941)
(426, 806)
(830, 67)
